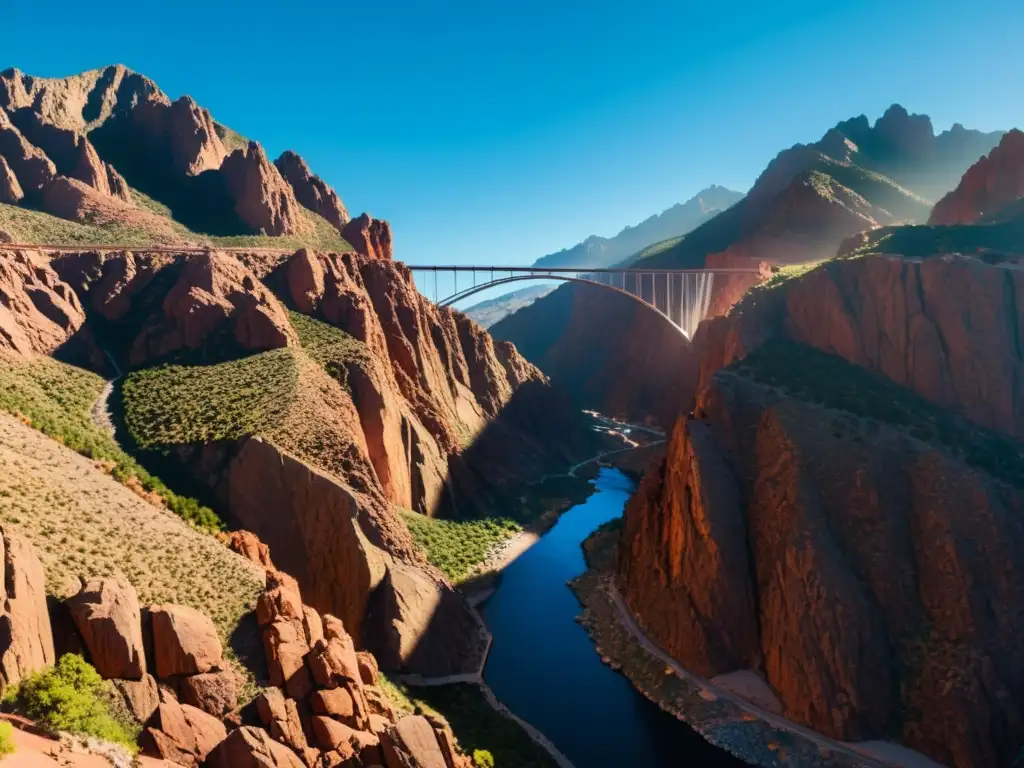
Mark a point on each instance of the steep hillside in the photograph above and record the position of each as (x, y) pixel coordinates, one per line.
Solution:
(487, 313)
(844, 416)
(312, 425)
(107, 157)
(804, 205)
(598, 251)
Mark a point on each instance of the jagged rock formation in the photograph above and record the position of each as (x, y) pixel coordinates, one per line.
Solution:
(26, 640)
(112, 130)
(311, 191)
(38, 312)
(261, 198)
(213, 292)
(423, 411)
(811, 519)
(10, 188)
(72, 153)
(370, 237)
(990, 185)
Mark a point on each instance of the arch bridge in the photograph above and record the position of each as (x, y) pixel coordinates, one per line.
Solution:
(681, 296)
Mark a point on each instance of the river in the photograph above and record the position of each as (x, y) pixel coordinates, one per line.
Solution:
(544, 667)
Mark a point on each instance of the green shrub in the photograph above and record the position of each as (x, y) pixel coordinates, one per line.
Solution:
(71, 697)
(483, 759)
(6, 739)
(458, 546)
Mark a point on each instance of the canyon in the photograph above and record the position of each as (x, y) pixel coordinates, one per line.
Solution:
(234, 441)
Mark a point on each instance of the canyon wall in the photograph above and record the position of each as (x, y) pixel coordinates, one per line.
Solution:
(412, 406)
(841, 511)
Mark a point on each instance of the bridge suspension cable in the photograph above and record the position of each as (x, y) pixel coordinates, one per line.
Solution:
(681, 296)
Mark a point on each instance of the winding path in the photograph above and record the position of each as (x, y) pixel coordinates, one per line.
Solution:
(860, 754)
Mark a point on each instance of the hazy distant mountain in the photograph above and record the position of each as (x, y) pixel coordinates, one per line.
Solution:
(678, 220)
(487, 313)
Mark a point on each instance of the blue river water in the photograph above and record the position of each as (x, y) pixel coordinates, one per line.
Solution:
(544, 667)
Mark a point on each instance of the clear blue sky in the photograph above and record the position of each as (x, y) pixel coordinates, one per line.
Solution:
(500, 131)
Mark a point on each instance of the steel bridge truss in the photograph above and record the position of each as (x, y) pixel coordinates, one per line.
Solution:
(681, 296)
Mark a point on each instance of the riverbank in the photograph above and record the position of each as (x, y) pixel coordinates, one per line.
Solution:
(752, 733)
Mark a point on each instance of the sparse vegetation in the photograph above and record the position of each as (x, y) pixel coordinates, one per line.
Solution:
(458, 546)
(282, 395)
(71, 697)
(181, 404)
(830, 381)
(480, 728)
(25, 225)
(329, 346)
(56, 399)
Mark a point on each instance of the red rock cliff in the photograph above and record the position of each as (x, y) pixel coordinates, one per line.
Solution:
(879, 551)
(990, 185)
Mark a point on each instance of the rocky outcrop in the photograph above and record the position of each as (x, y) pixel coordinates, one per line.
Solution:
(261, 197)
(215, 693)
(184, 641)
(72, 153)
(214, 292)
(80, 102)
(106, 613)
(249, 546)
(30, 165)
(38, 311)
(413, 743)
(318, 538)
(10, 189)
(905, 320)
(26, 640)
(180, 733)
(370, 237)
(249, 747)
(990, 185)
(141, 697)
(184, 131)
(311, 191)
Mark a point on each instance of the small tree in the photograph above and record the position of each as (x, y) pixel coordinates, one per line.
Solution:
(70, 697)
(483, 759)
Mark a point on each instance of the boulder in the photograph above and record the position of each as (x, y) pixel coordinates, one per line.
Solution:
(311, 191)
(26, 640)
(106, 612)
(345, 703)
(369, 672)
(249, 747)
(333, 660)
(185, 641)
(281, 717)
(10, 190)
(370, 237)
(141, 697)
(263, 200)
(249, 546)
(181, 733)
(213, 692)
(347, 742)
(412, 743)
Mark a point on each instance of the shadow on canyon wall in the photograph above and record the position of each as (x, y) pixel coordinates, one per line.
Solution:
(612, 353)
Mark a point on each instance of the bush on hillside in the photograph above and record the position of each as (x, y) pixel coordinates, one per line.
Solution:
(70, 697)
(6, 739)
(483, 759)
